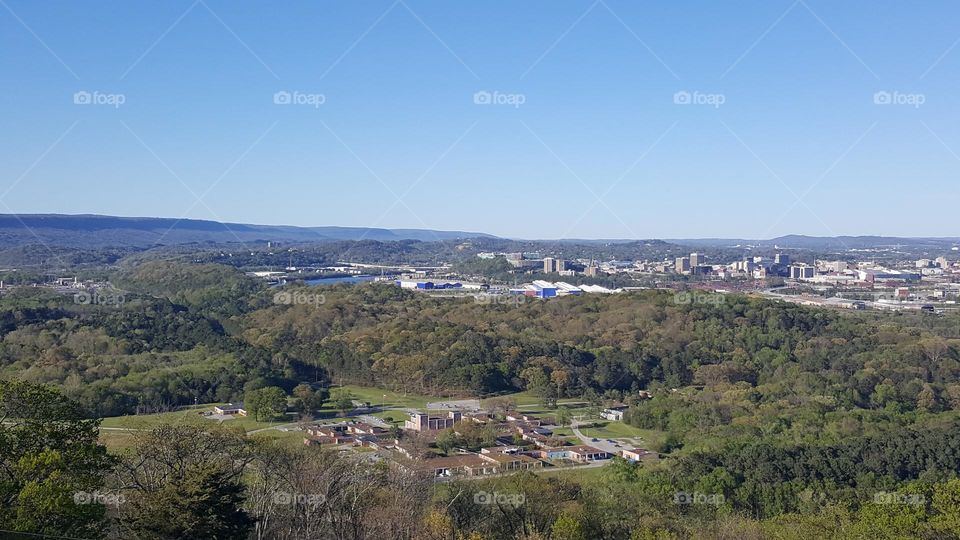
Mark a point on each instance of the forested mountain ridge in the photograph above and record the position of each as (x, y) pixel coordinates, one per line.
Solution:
(94, 231)
(383, 335)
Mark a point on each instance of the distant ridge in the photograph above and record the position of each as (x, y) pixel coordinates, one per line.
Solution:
(96, 231)
(87, 230)
(799, 241)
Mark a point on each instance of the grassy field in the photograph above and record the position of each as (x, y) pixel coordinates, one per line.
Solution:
(116, 440)
(620, 430)
(526, 399)
(291, 438)
(388, 398)
(521, 398)
(393, 417)
(186, 414)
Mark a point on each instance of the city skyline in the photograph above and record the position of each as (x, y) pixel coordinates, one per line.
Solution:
(703, 121)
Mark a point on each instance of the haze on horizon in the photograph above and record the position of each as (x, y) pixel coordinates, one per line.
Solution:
(596, 119)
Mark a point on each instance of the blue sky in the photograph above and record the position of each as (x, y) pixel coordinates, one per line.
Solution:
(534, 119)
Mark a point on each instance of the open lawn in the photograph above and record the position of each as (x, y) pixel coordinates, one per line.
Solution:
(191, 414)
(116, 440)
(393, 417)
(377, 397)
(620, 430)
(291, 438)
(520, 398)
(526, 399)
(386, 398)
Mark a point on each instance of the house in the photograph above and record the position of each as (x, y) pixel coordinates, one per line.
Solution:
(445, 467)
(328, 430)
(512, 462)
(584, 453)
(370, 441)
(230, 409)
(481, 417)
(500, 450)
(552, 453)
(317, 441)
(470, 464)
(614, 413)
(404, 448)
(637, 454)
(524, 429)
(362, 428)
(338, 440)
(537, 439)
(514, 416)
(424, 422)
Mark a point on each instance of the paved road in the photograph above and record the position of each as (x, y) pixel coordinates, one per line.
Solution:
(602, 444)
(273, 427)
(374, 421)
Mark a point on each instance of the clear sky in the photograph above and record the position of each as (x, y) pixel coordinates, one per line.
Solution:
(533, 118)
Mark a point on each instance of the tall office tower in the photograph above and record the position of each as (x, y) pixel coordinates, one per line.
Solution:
(782, 259)
(683, 265)
(548, 263)
(560, 265)
(697, 259)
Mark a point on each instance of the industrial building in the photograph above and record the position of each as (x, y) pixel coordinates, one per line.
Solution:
(544, 289)
(801, 271)
(427, 285)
